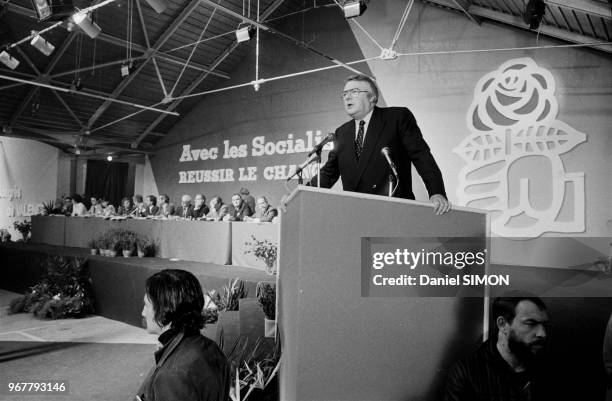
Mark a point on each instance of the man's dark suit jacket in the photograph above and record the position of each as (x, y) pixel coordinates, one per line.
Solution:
(199, 213)
(180, 211)
(392, 127)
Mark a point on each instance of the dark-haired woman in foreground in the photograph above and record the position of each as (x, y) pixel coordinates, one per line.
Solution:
(188, 366)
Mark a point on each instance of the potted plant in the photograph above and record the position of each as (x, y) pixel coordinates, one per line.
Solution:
(24, 228)
(64, 291)
(114, 244)
(5, 236)
(127, 241)
(106, 241)
(93, 246)
(266, 251)
(147, 246)
(101, 246)
(266, 295)
(47, 208)
(140, 246)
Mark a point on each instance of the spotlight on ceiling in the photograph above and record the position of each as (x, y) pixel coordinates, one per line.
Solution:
(158, 5)
(109, 158)
(353, 8)
(245, 33)
(86, 24)
(53, 10)
(44, 46)
(534, 12)
(8, 60)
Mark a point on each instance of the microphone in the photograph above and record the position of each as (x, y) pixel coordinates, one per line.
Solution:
(317, 148)
(314, 154)
(385, 152)
(313, 157)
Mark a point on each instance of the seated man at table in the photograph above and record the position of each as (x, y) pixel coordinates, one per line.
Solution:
(246, 196)
(58, 206)
(200, 209)
(265, 213)
(509, 366)
(126, 208)
(165, 207)
(78, 208)
(186, 207)
(214, 212)
(238, 210)
(151, 206)
(108, 210)
(96, 207)
(140, 209)
(67, 206)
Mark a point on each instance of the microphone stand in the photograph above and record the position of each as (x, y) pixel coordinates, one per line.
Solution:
(391, 185)
(299, 172)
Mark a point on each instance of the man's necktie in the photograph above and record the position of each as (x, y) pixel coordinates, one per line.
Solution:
(359, 140)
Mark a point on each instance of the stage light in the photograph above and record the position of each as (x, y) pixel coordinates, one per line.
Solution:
(245, 33)
(109, 158)
(8, 60)
(44, 46)
(54, 10)
(534, 12)
(158, 5)
(354, 8)
(86, 24)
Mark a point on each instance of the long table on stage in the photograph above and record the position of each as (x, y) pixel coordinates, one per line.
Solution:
(217, 242)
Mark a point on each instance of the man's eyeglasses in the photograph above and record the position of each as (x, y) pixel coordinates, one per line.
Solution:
(351, 93)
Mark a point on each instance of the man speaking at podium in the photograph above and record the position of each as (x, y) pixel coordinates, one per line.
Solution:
(358, 155)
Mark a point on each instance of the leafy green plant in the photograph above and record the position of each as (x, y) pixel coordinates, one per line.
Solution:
(266, 295)
(47, 207)
(147, 245)
(252, 370)
(64, 291)
(232, 292)
(93, 243)
(227, 300)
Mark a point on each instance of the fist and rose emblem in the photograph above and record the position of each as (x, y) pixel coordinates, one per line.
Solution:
(513, 154)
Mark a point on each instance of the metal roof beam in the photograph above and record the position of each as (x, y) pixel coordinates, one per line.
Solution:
(148, 131)
(291, 39)
(518, 22)
(586, 6)
(544, 29)
(68, 109)
(143, 26)
(180, 19)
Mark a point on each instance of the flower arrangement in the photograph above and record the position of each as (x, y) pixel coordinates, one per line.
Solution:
(64, 291)
(5, 236)
(264, 250)
(24, 228)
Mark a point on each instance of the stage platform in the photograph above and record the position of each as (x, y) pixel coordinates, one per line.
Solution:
(118, 283)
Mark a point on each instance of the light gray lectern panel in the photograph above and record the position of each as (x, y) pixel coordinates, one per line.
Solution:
(340, 346)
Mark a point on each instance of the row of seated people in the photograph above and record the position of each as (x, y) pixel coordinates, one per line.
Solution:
(242, 208)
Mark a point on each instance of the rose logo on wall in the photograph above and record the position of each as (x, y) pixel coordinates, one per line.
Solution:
(513, 154)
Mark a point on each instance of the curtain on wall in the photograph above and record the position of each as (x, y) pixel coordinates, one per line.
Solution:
(106, 179)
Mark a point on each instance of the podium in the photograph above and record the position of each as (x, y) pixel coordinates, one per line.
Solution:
(338, 345)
